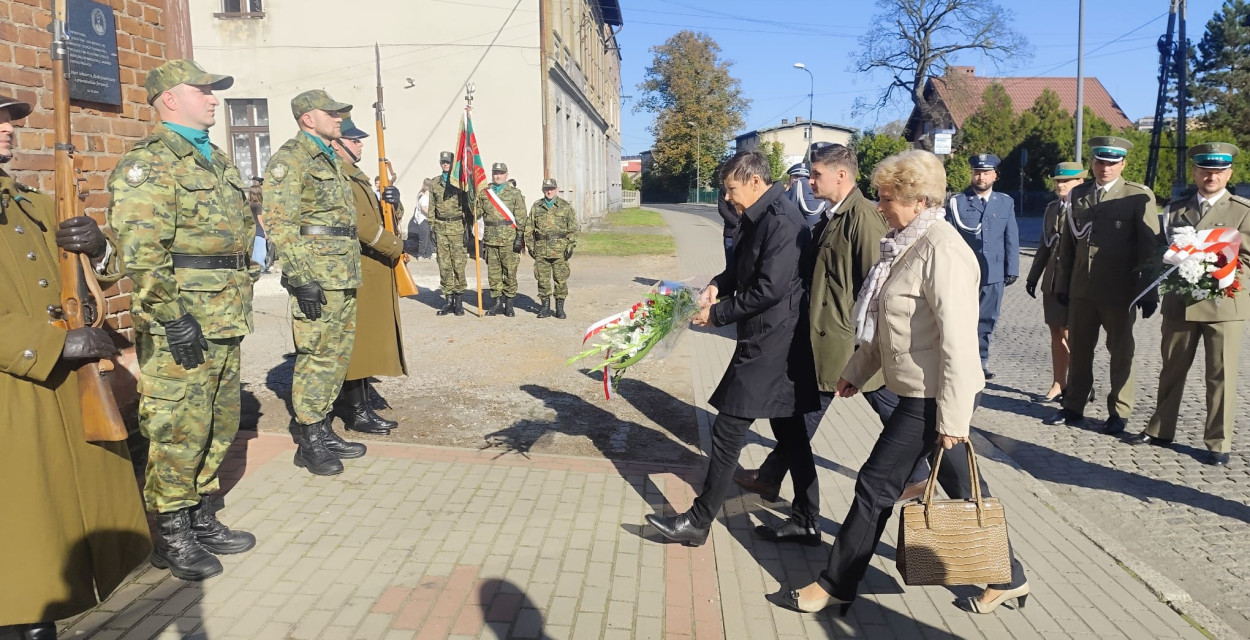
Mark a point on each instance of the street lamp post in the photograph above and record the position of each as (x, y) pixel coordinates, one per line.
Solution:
(811, 107)
(698, 155)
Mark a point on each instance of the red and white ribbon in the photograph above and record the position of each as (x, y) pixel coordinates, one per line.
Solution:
(501, 207)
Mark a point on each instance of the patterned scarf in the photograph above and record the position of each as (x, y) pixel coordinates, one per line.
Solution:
(892, 246)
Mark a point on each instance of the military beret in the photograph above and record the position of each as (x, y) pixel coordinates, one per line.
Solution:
(499, 167)
(1110, 148)
(17, 108)
(351, 131)
(1213, 155)
(176, 72)
(799, 171)
(549, 183)
(982, 161)
(1069, 171)
(446, 156)
(316, 99)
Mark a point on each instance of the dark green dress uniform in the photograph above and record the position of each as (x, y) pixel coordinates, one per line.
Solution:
(1112, 230)
(72, 525)
(551, 232)
(449, 206)
(501, 239)
(1217, 323)
(1054, 222)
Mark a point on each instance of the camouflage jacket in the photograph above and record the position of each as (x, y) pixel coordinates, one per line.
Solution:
(168, 199)
(550, 230)
(448, 204)
(498, 231)
(305, 186)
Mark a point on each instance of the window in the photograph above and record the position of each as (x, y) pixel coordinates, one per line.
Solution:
(241, 9)
(249, 136)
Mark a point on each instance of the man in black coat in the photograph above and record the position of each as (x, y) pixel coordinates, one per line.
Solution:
(771, 374)
(730, 216)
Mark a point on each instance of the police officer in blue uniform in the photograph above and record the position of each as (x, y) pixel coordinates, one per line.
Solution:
(987, 221)
(801, 194)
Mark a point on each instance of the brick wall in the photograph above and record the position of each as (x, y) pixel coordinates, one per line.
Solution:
(101, 132)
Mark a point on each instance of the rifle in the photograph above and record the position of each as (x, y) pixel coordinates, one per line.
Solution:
(81, 297)
(403, 279)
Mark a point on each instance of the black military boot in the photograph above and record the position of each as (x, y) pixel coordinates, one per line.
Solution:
(176, 548)
(449, 307)
(36, 631)
(353, 408)
(458, 305)
(311, 452)
(560, 309)
(507, 307)
(335, 443)
(214, 536)
(545, 311)
(498, 308)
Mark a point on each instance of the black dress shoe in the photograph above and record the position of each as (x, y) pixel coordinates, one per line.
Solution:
(1114, 425)
(40, 631)
(989, 375)
(678, 528)
(749, 479)
(1065, 416)
(1216, 459)
(1145, 438)
(790, 531)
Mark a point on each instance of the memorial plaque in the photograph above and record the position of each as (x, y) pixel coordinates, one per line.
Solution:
(92, 41)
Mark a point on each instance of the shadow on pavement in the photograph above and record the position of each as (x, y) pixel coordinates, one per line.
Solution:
(510, 614)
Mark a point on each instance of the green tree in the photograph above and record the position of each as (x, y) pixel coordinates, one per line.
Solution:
(992, 128)
(870, 149)
(776, 153)
(627, 182)
(696, 103)
(1222, 70)
(1049, 136)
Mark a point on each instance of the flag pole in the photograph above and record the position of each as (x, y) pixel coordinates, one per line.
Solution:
(477, 245)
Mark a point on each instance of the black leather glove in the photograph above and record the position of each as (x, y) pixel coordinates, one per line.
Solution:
(390, 195)
(1030, 287)
(568, 252)
(309, 297)
(1147, 308)
(81, 235)
(1010, 280)
(1062, 298)
(518, 244)
(186, 341)
(88, 343)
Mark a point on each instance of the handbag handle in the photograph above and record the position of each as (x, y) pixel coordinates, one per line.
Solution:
(974, 477)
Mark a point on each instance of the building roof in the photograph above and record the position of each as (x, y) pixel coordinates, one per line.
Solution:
(611, 10)
(801, 124)
(962, 97)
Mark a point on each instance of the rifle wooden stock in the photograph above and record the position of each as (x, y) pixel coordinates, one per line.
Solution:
(82, 301)
(404, 283)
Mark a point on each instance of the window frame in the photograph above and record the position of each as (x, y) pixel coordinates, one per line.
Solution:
(253, 132)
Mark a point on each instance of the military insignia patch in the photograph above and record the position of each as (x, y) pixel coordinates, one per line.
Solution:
(137, 173)
(278, 171)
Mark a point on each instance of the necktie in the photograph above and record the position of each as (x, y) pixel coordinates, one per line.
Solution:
(1098, 193)
(1203, 208)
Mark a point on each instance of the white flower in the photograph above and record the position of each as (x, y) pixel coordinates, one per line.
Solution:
(1210, 257)
(1211, 268)
(1192, 270)
(1200, 294)
(1184, 236)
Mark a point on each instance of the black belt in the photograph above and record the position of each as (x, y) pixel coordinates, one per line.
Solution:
(551, 236)
(320, 230)
(234, 261)
(497, 223)
(451, 219)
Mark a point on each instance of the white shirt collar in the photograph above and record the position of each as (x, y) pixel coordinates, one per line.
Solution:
(1107, 187)
(1213, 199)
(984, 198)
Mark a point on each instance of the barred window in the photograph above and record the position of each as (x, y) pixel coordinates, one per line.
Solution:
(249, 136)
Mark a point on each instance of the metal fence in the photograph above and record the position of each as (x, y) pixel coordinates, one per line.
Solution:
(702, 196)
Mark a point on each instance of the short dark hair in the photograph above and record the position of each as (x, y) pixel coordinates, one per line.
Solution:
(837, 155)
(745, 164)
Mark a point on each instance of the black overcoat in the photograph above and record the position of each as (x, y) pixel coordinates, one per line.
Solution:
(771, 374)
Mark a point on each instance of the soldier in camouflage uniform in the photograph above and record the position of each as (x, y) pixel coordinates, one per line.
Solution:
(550, 232)
(179, 207)
(503, 240)
(449, 206)
(311, 216)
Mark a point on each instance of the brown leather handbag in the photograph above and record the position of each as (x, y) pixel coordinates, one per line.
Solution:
(954, 542)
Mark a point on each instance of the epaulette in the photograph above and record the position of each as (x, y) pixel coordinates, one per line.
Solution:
(1239, 200)
(1138, 185)
(143, 142)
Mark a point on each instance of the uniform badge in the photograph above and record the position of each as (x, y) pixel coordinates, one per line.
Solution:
(1118, 224)
(137, 173)
(278, 171)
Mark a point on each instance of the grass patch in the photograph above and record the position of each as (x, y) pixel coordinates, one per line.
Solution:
(607, 243)
(635, 217)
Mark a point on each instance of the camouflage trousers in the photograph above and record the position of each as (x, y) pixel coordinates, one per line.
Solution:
(190, 417)
(452, 257)
(501, 266)
(548, 269)
(323, 349)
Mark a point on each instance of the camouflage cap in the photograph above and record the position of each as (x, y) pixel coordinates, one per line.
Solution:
(549, 183)
(446, 156)
(1213, 155)
(350, 131)
(316, 99)
(17, 108)
(176, 72)
(499, 167)
(1069, 171)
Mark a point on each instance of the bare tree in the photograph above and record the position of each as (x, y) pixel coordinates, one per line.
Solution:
(913, 39)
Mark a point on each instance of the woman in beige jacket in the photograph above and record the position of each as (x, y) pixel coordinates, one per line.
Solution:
(916, 323)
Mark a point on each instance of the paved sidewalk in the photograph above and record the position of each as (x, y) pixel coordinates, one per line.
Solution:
(426, 542)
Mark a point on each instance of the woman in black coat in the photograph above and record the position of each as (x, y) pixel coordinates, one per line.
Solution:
(771, 374)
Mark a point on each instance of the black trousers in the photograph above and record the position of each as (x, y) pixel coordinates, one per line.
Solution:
(908, 437)
(728, 437)
(776, 465)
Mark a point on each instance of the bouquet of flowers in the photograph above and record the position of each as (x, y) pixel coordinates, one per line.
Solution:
(648, 328)
(1204, 264)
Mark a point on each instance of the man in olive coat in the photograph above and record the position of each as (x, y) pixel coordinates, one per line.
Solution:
(379, 346)
(771, 373)
(1217, 323)
(72, 525)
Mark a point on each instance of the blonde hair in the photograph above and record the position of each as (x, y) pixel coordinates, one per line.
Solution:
(914, 174)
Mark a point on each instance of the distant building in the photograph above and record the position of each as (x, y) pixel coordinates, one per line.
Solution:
(793, 137)
(632, 165)
(957, 95)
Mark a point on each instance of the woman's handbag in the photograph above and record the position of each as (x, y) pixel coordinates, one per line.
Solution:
(954, 542)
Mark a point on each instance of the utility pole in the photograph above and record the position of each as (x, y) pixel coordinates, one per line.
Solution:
(698, 156)
(1168, 54)
(811, 109)
(1080, 80)
(1182, 97)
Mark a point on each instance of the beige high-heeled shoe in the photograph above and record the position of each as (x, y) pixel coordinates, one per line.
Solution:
(792, 601)
(974, 604)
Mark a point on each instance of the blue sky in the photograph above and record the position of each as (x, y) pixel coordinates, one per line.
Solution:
(1120, 50)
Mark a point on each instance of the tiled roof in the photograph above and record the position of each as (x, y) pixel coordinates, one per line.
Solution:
(963, 97)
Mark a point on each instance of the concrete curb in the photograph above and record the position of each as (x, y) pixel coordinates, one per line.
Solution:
(1160, 585)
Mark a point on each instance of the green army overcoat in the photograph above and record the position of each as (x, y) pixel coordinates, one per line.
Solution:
(73, 525)
(848, 246)
(497, 231)
(1054, 224)
(550, 230)
(1119, 235)
(1231, 212)
(378, 350)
